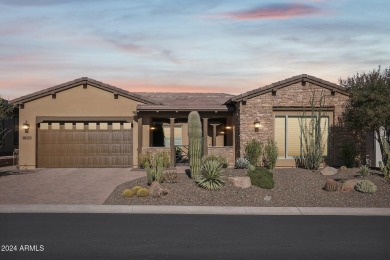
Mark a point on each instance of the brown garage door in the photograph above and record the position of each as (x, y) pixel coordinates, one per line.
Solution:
(85, 144)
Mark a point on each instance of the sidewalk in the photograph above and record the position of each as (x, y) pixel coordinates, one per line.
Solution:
(206, 210)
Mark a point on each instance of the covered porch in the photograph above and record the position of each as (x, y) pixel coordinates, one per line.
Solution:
(168, 131)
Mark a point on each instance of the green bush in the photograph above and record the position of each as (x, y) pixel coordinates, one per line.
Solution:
(253, 151)
(261, 177)
(213, 157)
(364, 170)
(128, 193)
(210, 175)
(143, 192)
(271, 153)
(348, 154)
(242, 163)
(366, 186)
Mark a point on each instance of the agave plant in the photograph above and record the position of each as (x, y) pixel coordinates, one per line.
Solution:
(210, 175)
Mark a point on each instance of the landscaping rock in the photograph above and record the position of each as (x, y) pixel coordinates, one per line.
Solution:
(267, 198)
(349, 185)
(328, 171)
(240, 182)
(155, 190)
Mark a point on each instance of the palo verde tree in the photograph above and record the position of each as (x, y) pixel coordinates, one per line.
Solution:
(368, 108)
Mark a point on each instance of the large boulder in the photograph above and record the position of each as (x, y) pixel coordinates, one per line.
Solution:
(155, 190)
(349, 185)
(328, 171)
(240, 182)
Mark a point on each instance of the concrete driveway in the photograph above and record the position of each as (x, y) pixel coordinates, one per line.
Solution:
(64, 186)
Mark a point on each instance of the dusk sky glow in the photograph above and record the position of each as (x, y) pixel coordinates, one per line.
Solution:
(188, 45)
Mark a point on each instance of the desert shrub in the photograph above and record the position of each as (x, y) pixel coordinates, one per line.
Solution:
(151, 158)
(385, 167)
(261, 177)
(145, 158)
(366, 186)
(343, 168)
(128, 193)
(143, 192)
(271, 154)
(253, 151)
(242, 163)
(170, 177)
(210, 175)
(166, 161)
(213, 157)
(348, 154)
(154, 169)
(364, 170)
(136, 188)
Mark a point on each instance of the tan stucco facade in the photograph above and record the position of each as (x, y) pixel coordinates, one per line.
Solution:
(76, 102)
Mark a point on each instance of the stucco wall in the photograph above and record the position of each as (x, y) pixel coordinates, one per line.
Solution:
(74, 102)
(262, 107)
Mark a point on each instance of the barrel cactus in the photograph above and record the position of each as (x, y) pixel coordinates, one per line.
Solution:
(366, 186)
(331, 185)
(195, 143)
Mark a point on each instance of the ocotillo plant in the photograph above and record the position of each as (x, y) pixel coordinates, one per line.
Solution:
(195, 143)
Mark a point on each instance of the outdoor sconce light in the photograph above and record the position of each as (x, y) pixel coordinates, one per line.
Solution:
(257, 125)
(26, 126)
(228, 127)
(152, 128)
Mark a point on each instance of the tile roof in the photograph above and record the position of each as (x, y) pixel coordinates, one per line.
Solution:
(284, 83)
(185, 101)
(78, 82)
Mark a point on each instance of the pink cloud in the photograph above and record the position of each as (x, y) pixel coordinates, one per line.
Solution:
(277, 11)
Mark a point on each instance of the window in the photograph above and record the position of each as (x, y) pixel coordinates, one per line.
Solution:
(177, 135)
(288, 134)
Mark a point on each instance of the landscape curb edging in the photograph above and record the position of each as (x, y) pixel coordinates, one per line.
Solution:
(186, 210)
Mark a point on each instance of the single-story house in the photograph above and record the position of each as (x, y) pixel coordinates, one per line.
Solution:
(87, 123)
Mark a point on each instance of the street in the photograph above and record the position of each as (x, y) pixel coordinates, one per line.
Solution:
(115, 236)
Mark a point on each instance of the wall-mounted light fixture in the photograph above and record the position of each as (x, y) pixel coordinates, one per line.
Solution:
(152, 128)
(228, 127)
(257, 125)
(26, 126)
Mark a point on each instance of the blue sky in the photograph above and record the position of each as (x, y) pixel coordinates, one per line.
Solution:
(188, 45)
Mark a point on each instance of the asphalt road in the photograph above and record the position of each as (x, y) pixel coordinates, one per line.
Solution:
(116, 236)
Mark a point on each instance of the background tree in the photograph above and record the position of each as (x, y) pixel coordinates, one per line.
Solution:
(368, 108)
(6, 112)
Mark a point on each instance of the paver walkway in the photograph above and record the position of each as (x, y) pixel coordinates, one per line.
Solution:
(64, 186)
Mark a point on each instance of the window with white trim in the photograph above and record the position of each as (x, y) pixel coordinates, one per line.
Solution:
(288, 134)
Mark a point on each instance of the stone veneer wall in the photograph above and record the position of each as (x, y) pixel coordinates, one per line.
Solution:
(295, 95)
(225, 151)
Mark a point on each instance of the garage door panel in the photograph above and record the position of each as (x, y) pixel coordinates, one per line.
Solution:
(72, 147)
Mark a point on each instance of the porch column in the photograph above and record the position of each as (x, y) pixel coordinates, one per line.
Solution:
(214, 140)
(205, 128)
(139, 136)
(172, 142)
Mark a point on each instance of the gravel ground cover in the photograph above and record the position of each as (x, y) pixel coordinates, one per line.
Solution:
(294, 187)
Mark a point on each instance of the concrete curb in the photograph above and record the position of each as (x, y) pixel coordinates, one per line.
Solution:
(205, 210)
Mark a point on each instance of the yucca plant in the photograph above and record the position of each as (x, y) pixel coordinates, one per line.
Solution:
(210, 175)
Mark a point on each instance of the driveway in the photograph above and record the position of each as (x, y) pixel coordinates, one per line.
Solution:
(64, 186)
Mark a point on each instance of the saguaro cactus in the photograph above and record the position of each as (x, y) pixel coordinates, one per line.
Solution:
(195, 143)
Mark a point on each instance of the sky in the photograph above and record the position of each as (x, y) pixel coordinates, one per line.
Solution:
(188, 45)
